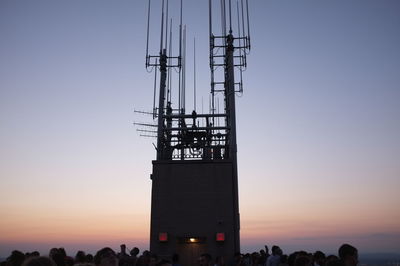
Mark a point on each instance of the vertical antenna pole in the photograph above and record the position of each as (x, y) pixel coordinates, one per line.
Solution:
(231, 119)
(162, 28)
(209, 19)
(154, 93)
(212, 92)
(239, 32)
(223, 19)
(180, 62)
(166, 28)
(240, 49)
(194, 74)
(211, 59)
(248, 23)
(160, 127)
(210, 33)
(180, 37)
(169, 69)
(241, 80)
(230, 16)
(148, 29)
(244, 30)
(179, 89)
(184, 71)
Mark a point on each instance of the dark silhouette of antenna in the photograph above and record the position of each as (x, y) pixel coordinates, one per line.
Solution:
(228, 58)
(194, 74)
(203, 137)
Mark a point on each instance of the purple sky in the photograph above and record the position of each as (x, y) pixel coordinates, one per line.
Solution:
(318, 124)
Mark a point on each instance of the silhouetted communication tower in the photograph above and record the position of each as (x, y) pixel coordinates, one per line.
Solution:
(195, 206)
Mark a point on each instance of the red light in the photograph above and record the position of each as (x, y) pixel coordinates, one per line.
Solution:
(220, 237)
(163, 237)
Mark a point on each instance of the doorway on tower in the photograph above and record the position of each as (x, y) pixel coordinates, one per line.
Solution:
(190, 249)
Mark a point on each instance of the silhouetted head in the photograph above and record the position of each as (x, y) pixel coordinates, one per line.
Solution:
(53, 252)
(69, 261)
(303, 261)
(276, 250)
(348, 254)
(35, 254)
(291, 259)
(57, 256)
(80, 257)
(106, 257)
(89, 258)
(134, 252)
(62, 252)
(16, 258)
(319, 258)
(39, 261)
(334, 262)
(255, 256)
(331, 258)
(123, 249)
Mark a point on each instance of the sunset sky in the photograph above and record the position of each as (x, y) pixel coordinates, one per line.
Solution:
(318, 124)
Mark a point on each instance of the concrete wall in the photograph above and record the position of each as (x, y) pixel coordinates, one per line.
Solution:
(193, 199)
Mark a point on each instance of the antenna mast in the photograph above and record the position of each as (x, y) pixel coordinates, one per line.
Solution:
(227, 58)
(197, 149)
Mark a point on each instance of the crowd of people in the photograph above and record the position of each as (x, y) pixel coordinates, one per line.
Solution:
(347, 256)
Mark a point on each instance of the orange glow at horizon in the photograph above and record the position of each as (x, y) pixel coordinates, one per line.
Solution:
(68, 227)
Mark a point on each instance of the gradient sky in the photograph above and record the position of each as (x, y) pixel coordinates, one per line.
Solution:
(318, 124)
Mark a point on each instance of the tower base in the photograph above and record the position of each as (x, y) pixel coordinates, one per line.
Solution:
(193, 210)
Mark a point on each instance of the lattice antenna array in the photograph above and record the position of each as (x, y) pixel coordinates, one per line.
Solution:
(182, 136)
(233, 18)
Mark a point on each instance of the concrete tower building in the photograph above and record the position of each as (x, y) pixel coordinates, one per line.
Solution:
(194, 202)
